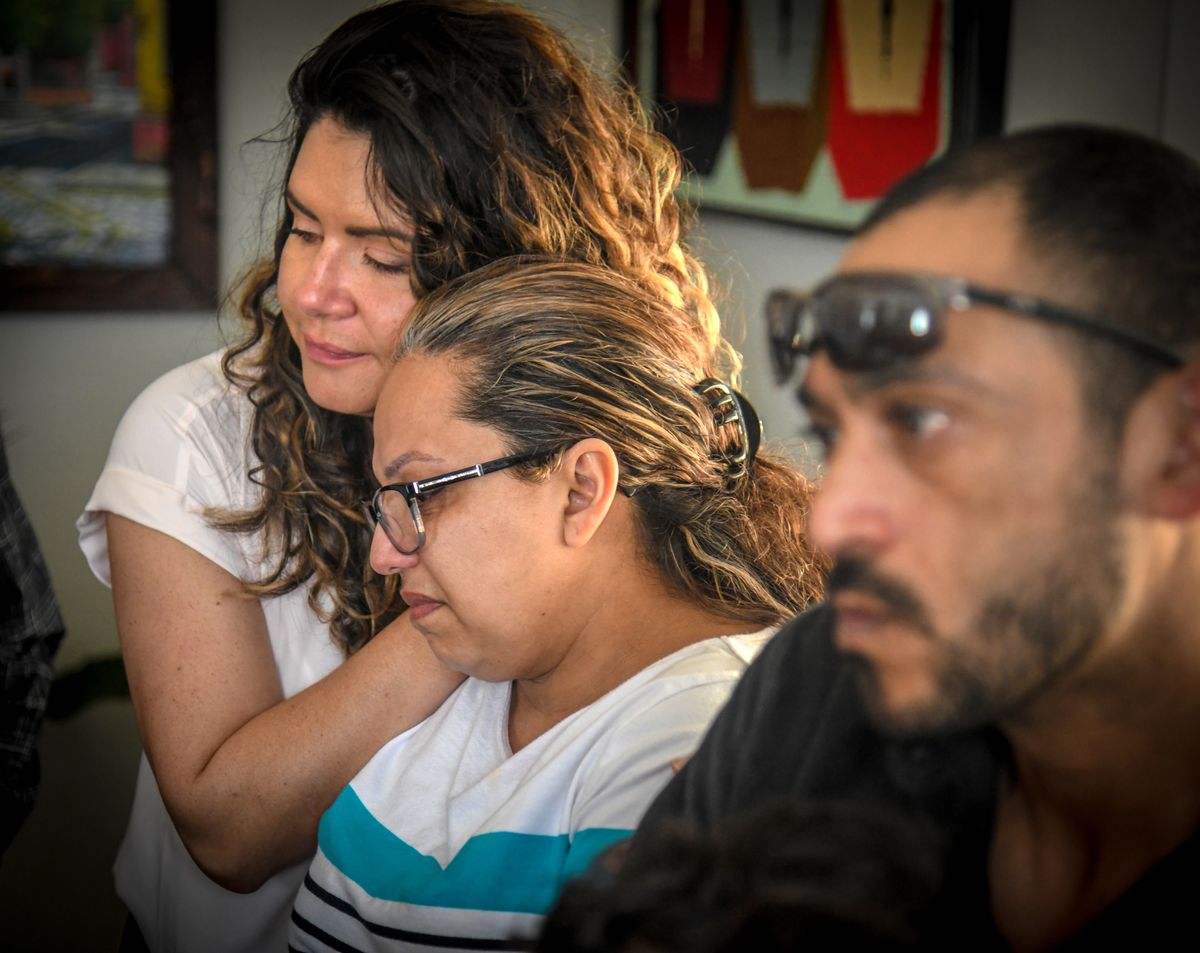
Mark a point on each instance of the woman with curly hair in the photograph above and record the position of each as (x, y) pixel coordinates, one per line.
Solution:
(266, 661)
(583, 526)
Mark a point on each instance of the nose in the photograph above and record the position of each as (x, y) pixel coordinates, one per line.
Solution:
(386, 559)
(325, 291)
(855, 510)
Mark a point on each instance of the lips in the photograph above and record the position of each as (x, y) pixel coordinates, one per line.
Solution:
(853, 603)
(419, 605)
(858, 617)
(325, 353)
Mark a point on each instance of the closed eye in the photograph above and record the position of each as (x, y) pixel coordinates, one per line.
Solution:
(306, 236)
(387, 268)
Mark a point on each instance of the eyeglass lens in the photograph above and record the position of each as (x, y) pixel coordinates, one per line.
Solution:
(396, 516)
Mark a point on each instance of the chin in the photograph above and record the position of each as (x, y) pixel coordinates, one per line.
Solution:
(896, 702)
(905, 710)
(337, 397)
(445, 655)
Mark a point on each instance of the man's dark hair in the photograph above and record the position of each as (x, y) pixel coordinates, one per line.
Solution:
(788, 876)
(1115, 213)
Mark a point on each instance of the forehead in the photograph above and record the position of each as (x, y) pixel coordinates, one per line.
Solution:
(329, 147)
(333, 173)
(415, 418)
(977, 237)
(990, 351)
(417, 400)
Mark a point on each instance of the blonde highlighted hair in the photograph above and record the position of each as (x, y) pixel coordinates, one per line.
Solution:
(551, 352)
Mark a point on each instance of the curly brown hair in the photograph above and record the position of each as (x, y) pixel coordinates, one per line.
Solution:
(493, 138)
(548, 353)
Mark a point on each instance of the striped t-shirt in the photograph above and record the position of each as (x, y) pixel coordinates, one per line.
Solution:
(447, 840)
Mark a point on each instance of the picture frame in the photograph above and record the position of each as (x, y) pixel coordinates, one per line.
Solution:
(185, 274)
(809, 158)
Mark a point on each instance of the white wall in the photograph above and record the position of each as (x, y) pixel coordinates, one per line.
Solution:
(65, 378)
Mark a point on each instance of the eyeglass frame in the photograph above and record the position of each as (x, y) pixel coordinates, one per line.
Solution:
(804, 334)
(413, 490)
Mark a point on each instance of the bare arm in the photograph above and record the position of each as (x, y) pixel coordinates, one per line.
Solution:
(245, 773)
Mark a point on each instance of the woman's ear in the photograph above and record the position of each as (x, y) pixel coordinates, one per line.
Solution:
(1174, 490)
(591, 471)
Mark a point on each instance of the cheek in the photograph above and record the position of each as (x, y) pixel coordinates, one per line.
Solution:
(387, 314)
(503, 570)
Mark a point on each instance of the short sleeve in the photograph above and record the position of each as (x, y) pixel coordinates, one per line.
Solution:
(180, 450)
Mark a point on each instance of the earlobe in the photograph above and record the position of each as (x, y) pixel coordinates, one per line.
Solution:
(592, 471)
(1178, 494)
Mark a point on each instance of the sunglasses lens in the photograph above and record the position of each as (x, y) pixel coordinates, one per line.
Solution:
(872, 322)
(785, 310)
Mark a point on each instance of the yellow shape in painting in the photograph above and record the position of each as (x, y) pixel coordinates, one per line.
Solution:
(885, 45)
(151, 47)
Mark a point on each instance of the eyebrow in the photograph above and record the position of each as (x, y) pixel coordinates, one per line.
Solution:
(860, 384)
(399, 463)
(357, 231)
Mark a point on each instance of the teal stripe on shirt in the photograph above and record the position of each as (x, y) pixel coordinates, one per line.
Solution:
(504, 871)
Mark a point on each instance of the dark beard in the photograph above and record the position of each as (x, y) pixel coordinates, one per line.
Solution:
(1029, 633)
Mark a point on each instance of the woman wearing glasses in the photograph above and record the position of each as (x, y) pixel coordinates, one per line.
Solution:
(427, 137)
(581, 525)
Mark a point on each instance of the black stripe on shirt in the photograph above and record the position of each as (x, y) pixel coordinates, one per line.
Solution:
(394, 933)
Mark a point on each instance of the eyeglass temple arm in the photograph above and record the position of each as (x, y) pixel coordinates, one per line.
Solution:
(1037, 308)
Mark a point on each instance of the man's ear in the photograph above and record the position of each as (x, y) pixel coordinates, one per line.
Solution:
(591, 472)
(1174, 492)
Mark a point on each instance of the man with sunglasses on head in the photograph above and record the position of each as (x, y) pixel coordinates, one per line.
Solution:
(1004, 375)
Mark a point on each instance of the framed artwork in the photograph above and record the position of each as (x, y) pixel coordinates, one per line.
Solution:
(807, 111)
(108, 155)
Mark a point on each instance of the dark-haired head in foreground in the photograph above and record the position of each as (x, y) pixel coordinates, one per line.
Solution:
(789, 876)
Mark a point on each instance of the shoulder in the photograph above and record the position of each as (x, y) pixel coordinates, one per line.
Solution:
(190, 425)
(796, 691)
(175, 402)
(798, 687)
(681, 692)
(795, 665)
(722, 656)
(181, 448)
(799, 668)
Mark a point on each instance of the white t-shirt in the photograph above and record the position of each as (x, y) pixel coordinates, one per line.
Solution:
(447, 838)
(181, 448)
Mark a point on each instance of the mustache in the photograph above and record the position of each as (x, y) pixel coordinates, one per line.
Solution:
(852, 574)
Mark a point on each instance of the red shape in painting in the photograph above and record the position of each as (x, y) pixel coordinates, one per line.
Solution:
(872, 151)
(695, 37)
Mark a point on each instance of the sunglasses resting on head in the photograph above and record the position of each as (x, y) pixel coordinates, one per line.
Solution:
(872, 320)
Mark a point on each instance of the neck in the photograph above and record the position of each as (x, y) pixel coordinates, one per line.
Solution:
(635, 622)
(1107, 769)
(1135, 701)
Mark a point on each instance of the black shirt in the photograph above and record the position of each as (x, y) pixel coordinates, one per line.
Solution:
(796, 727)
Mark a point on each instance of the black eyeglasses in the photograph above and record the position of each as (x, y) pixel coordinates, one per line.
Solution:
(872, 320)
(396, 507)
